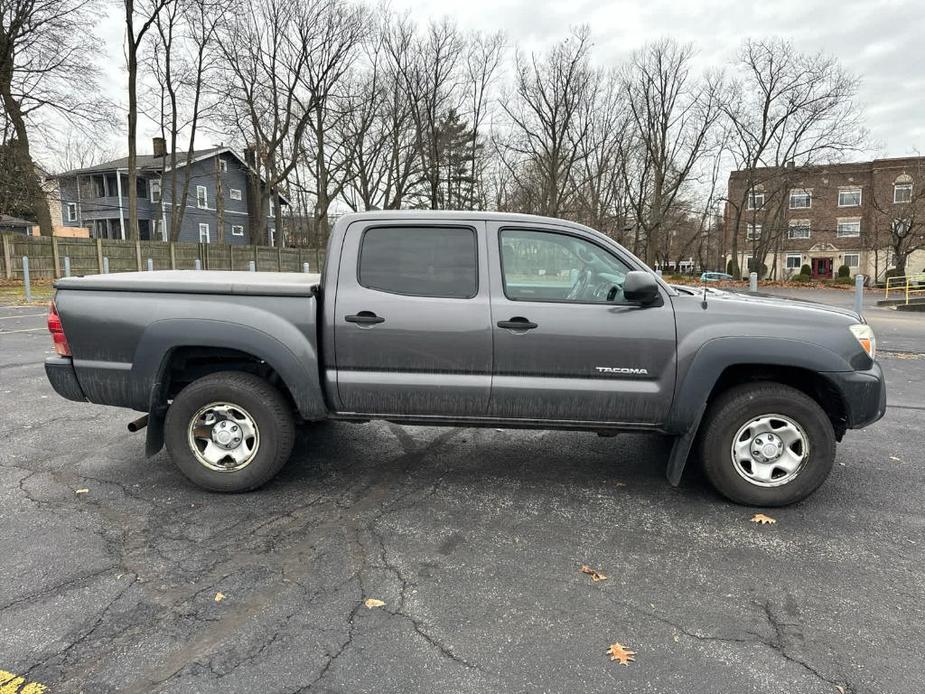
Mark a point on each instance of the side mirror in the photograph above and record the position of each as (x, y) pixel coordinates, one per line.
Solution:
(640, 287)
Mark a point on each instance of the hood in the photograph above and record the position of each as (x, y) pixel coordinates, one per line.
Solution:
(758, 303)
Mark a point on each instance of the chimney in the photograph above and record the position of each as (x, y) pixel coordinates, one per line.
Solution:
(160, 146)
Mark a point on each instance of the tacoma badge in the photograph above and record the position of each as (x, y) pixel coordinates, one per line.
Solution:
(621, 370)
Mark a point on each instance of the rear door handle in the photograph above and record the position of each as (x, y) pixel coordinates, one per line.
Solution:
(517, 323)
(364, 318)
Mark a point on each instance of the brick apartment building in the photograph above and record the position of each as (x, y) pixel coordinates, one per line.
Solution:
(824, 216)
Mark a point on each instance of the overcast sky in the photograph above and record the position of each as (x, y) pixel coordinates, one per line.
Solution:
(883, 41)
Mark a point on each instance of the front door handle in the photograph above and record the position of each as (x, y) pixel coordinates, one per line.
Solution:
(364, 318)
(517, 323)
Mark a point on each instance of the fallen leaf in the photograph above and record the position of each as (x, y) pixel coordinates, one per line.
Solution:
(373, 602)
(762, 519)
(619, 484)
(841, 689)
(893, 457)
(81, 491)
(595, 575)
(219, 597)
(624, 655)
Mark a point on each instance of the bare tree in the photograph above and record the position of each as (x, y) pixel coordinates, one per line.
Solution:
(786, 107)
(672, 113)
(902, 207)
(45, 49)
(600, 193)
(484, 55)
(546, 111)
(182, 58)
(279, 57)
(143, 16)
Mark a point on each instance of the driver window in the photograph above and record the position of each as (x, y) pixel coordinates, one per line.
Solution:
(549, 266)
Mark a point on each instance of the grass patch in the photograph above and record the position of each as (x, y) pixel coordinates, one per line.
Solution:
(12, 292)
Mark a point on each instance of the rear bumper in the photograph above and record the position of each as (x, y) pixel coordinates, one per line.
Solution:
(863, 393)
(63, 378)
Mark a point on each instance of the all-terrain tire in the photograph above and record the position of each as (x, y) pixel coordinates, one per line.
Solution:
(749, 403)
(264, 406)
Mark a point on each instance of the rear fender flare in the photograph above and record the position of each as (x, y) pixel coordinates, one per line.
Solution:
(287, 351)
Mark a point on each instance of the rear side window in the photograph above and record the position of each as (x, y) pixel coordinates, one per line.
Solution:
(420, 261)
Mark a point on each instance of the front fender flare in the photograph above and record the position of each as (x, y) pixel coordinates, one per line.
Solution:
(702, 371)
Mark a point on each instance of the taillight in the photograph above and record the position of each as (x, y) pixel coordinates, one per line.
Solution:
(57, 331)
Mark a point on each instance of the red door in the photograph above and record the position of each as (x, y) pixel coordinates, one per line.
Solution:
(822, 268)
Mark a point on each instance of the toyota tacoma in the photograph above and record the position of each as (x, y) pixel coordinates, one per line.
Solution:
(469, 319)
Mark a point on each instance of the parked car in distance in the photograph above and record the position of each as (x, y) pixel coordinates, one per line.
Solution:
(715, 277)
(469, 319)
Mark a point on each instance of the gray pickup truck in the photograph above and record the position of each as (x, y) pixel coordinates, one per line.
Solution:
(469, 319)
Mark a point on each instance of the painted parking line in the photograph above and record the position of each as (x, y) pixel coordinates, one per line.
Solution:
(14, 684)
(24, 330)
(27, 315)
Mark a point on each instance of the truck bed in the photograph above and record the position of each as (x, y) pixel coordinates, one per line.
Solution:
(200, 282)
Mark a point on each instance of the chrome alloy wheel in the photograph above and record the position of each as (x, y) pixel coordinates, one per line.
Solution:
(223, 437)
(770, 450)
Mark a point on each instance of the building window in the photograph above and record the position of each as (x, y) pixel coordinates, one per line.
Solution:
(72, 212)
(852, 259)
(902, 192)
(235, 193)
(222, 165)
(798, 229)
(800, 199)
(848, 227)
(202, 197)
(272, 208)
(155, 191)
(755, 201)
(204, 234)
(900, 227)
(237, 230)
(100, 186)
(753, 232)
(794, 262)
(849, 197)
(272, 237)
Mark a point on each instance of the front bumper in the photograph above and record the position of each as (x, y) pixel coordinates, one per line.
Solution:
(863, 394)
(63, 378)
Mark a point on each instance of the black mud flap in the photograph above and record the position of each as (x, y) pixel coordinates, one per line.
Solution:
(681, 450)
(154, 441)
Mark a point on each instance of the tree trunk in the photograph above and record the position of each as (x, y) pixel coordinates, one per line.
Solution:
(132, 49)
(22, 154)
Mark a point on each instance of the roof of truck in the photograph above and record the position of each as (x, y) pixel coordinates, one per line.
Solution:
(200, 282)
(459, 215)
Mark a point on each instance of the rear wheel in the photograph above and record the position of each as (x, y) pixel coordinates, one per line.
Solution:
(229, 432)
(767, 444)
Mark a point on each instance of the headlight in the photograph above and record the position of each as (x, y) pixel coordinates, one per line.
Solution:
(864, 334)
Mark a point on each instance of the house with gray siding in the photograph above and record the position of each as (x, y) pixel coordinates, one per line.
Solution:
(221, 205)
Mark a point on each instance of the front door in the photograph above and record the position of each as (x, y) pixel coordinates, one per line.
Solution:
(567, 345)
(822, 268)
(412, 319)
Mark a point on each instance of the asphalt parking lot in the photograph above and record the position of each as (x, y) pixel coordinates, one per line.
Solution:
(116, 575)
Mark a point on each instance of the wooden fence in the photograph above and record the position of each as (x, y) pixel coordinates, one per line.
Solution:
(86, 256)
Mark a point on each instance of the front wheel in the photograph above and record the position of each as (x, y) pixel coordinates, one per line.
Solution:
(767, 444)
(229, 431)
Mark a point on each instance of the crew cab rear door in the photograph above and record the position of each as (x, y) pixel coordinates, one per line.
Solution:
(412, 323)
(567, 345)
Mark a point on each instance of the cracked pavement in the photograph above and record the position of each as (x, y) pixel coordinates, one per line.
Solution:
(472, 538)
